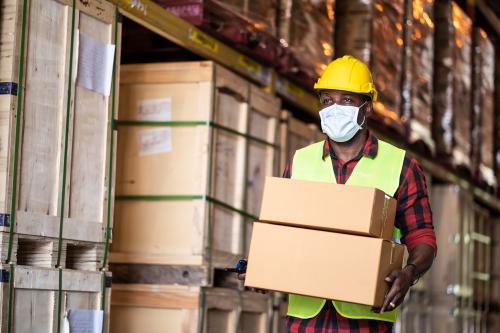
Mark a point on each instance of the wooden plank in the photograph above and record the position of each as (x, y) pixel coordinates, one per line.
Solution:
(91, 113)
(46, 61)
(159, 274)
(172, 309)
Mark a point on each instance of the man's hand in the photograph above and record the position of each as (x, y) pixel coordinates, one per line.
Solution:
(401, 281)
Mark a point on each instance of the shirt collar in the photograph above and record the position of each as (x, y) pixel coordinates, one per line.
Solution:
(369, 150)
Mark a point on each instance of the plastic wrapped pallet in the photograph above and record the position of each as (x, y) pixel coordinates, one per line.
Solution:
(373, 32)
(418, 65)
(497, 116)
(261, 12)
(483, 108)
(306, 27)
(452, 83)
(246, 25)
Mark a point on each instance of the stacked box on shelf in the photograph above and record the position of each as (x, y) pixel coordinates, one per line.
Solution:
(245, 24)
(196, 142)
(372, 31)
(41, 106)
(33, 296)
(482, 157)
(261, 12)
(180, 309)
(417, 94)
(306, 31)
(452, 84)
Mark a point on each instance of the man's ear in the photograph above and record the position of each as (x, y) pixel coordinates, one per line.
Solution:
(369, 108)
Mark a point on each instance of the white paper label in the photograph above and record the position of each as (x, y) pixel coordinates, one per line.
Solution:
(155, 109)
(85, 321)
(95, 64)
(155, 141)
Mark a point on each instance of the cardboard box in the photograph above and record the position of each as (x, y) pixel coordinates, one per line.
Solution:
(328, 206)
(321, 264)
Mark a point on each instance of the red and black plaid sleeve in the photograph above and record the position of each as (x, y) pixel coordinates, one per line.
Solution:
(414, 215)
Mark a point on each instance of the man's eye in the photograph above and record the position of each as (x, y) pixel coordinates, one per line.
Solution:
(327, 101)
(347, 100)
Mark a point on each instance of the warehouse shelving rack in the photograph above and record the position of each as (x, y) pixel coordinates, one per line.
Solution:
(175, 29)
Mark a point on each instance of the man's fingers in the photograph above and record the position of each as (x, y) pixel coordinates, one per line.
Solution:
(398, 299)
(391, 277)
(242, 276)
(389, 297)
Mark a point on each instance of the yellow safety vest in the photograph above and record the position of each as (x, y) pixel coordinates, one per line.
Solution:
(382, 172)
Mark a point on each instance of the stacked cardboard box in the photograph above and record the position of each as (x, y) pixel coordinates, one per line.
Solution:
(452, 83)
(293, 213)
(56, 158)
(196, 142)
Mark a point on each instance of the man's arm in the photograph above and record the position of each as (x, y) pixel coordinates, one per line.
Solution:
(414, 219)
(420, 260)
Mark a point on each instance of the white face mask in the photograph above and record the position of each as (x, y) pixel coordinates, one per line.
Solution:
(340, 122)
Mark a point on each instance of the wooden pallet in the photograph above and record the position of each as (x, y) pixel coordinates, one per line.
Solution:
(196, 142)
(36, 299)
(43, 114)
(43, 252)
(187, 309)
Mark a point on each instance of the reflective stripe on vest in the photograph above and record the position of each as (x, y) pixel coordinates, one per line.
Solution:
(382, 172)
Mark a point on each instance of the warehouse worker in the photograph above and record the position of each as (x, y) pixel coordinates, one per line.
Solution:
(352, 155)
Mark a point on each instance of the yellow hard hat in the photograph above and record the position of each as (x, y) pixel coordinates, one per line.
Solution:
(347, 74)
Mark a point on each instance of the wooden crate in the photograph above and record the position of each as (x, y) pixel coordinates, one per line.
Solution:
(36, 298)
(453, 214)
(415, 314)
(196, 142)
(256, 312)
(280, 308)
(186, 309)
(481, 249)
(43, 114)
(295, 134)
